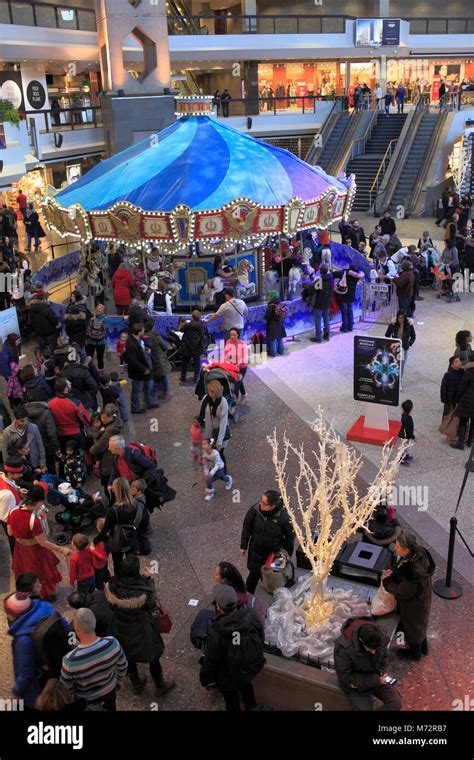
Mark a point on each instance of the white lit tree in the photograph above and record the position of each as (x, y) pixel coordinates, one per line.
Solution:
(325, 500)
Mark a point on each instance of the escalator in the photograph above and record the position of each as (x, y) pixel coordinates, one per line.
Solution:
(180, 18)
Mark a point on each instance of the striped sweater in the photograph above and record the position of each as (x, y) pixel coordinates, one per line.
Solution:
(92, 671)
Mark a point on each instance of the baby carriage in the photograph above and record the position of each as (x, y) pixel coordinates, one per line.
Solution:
(173, 352)
(228, 375)
(80, 510)
(443, 284)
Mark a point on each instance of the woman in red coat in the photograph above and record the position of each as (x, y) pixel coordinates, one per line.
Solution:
(33, 553)
(123, 283)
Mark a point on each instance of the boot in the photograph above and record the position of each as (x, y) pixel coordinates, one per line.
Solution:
(413, 652)
(138, 684)
(164, 686)
(424, 647)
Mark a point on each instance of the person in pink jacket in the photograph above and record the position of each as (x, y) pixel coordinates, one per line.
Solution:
(123, 283)
(236, 352)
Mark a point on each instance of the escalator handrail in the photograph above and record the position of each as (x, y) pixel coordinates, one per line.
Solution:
(315, 152)
(430, 151)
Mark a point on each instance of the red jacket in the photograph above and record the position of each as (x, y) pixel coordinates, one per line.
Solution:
(68, 415)
(80, 566)
(99, 555)
(122, 282)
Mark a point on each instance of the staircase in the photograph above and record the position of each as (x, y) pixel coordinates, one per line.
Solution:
(414, 160)
(366, 165)
(334, 140)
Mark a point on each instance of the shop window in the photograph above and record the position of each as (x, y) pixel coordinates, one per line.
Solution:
(46, 16)
(22, 13)
(148, 60)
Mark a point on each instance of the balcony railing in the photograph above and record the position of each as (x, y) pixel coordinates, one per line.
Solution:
(47, 15)
(61, 16)
(67, 119)
(309, 24)
(272, 106)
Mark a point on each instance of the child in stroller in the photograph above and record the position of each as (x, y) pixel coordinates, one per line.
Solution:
(228, 375)
(80, 511)
(444, 282)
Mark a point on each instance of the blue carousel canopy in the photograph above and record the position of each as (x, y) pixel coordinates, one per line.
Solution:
(202, 163)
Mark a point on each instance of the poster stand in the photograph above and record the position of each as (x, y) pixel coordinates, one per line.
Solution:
(377, 382)
(374, 427)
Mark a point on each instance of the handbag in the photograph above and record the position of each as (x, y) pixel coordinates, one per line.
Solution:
(163, 622)
(383, 602)
(279, 576)
(450, 425)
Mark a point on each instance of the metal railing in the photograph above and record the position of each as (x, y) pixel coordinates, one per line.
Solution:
(278, 24)
(275, 105)
(67, 119)
(300, 24)
(334, 164)
(63, 16)
(318, 145)
(381, 171)
(427, 162)
(47, 15)
(357, 146)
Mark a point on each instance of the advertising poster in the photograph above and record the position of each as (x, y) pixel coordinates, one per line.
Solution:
(10, 88)
(375, 32)
(8, 323)
(377, 370)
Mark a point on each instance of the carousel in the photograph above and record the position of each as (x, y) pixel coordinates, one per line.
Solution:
(199, 190)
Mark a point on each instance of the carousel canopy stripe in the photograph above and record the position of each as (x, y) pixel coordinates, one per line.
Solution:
(202, 163)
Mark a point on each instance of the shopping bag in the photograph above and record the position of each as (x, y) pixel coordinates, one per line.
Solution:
(450, 425)
(383, 602)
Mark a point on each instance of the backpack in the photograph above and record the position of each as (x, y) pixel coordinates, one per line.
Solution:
(121, 536)
(246, 660)
(158, 492)
(50, 642)
(147, 451)
(96, 329)
(281, 311)
(200, 628)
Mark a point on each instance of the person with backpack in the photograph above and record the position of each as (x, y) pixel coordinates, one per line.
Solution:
(345, 294)
(131, 595)
(44, 321)
(274, 317)
(193, 345)
(267, 528)
(33, 552)
(122, 522)
(83, 386)
(234, 650)
(33, 658)
(96, 336)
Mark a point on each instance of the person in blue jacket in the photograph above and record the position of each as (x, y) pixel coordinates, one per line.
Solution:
(23, 613)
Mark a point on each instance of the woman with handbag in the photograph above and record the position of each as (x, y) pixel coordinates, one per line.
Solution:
(132, 598)
(121, 523)
(450, 384)
(465, 406)
(409, 581)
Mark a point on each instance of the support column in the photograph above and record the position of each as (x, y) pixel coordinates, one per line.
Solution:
(383, 74)
(250, 9)
(384, 8)
(250, 69)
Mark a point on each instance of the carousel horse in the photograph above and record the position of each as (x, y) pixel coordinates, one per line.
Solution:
(295, 277)
(270, 280)
(245, 288)
(212, 286)
(165, 282)
(326, 258)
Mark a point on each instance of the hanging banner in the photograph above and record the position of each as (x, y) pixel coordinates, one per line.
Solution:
(377, 365)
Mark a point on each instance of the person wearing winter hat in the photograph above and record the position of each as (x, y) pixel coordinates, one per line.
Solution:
(10, 495)
(234, 650)
(23, 614)
(33, 552)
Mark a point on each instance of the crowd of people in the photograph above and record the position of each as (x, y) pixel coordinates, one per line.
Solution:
(66, 424)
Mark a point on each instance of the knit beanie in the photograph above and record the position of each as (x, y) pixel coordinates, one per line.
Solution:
(17, 604)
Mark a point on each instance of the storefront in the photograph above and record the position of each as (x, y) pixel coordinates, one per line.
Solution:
(426, 74)
(70, 92)
(291, 81)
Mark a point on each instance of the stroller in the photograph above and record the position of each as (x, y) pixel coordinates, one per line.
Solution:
(80, 510)
(443, 284)
(173, 352)
(228, 375)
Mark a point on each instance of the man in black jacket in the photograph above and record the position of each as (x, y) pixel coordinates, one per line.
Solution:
(360, 659)
(139, 365)
(234, 650)
(357, 234)
(84, 387)
(387, 224)
(44, 321)
(193, 345)
(267, 528)
(320, 294)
